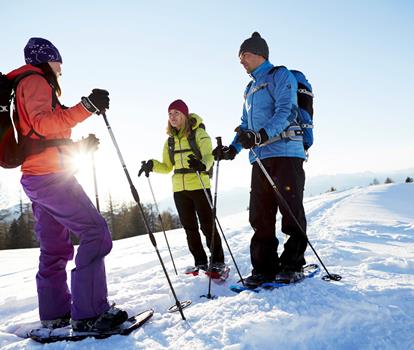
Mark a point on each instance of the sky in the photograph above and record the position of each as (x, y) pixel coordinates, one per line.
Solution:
(357, 55)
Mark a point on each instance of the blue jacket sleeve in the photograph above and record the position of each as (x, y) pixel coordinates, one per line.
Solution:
(285, 99)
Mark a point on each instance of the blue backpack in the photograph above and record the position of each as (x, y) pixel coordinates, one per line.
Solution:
(305, 102)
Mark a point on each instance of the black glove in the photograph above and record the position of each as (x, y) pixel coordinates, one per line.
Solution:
(224, 152)
(146, 167)
(195, 163)
(89, 144)
(249, 138)
(97, 102)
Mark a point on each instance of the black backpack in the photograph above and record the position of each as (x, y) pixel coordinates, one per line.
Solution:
(193, 147)
(15, 147)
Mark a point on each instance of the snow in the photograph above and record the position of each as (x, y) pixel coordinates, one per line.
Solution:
(364, 234)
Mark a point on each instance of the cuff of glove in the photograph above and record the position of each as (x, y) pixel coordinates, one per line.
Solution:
(263, 137)
(88, 105)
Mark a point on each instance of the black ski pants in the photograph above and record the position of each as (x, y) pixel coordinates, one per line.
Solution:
(289, 177)
(191, 204)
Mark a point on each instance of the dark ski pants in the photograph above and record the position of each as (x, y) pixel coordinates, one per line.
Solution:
(289, 177)
(60, 205)
(191, 204)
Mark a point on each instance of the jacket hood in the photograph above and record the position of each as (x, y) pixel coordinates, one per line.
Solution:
(23, 69)
(195, 120)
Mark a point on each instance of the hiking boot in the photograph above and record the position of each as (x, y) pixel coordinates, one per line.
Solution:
(59, 322)
(109, 320)
(203, 267)
(289, 275)
(219, 271)
(257, 279)
(218, 266)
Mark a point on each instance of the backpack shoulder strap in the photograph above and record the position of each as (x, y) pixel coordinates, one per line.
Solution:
(55, 100)
(271, 81)
(191, 138)
(171, 149)
(19, 78)
(274, 69)
(193, 143)
(246, 90)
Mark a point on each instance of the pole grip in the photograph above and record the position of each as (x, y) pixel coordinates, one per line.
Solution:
(218, 138)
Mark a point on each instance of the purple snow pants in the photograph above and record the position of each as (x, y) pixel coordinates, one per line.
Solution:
(60, 205)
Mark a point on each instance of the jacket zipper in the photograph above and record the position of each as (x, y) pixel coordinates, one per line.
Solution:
(182, 162)
(251, 107)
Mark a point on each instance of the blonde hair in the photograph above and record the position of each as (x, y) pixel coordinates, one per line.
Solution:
(188, 125)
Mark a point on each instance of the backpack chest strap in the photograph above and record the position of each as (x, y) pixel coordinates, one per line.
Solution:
(188, 171)
(255, 89)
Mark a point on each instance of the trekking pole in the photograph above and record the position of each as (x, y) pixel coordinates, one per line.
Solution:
(178, 305)
(162, 223)
(218, 223)
(95, 183)
(329, 276)
(213, 231)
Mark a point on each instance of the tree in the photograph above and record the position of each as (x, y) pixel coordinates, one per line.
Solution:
(3, 235)
(374, 182)
(332, 189)
(21, 231)
(110, 215)
(388, 180)
(409, 180)
(170, 220)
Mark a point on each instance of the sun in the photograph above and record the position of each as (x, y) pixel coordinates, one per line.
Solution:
(98, 178)
(84, 166)
(81, 161)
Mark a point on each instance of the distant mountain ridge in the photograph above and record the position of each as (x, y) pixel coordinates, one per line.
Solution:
(237, 199)
(322, 183)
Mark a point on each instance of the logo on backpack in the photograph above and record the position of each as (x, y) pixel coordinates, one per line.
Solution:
(11, 154)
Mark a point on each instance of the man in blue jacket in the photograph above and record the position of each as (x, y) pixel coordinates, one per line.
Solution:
(269, 126)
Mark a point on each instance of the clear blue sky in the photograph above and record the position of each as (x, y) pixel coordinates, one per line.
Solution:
(357, 54)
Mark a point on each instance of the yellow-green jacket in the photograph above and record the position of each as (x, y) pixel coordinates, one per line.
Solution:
(189, 181)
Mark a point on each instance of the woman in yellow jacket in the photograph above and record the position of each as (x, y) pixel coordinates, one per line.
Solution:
(189, 196)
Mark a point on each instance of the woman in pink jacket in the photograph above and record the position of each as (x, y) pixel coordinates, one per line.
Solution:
(60, 205)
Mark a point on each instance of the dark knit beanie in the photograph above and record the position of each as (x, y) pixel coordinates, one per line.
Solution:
(39, 50)
(256, 44)
(179, 105)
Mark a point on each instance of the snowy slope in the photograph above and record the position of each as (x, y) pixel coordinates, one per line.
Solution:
(364, 234)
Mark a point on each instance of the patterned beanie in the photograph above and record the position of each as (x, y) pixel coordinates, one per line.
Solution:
(39, 50)
(255, 44)
(179, 105)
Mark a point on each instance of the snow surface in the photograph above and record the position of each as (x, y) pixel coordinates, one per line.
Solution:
(364, 234)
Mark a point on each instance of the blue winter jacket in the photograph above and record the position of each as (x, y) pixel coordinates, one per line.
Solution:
(275, 113)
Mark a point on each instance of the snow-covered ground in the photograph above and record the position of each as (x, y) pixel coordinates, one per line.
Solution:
(364, 234)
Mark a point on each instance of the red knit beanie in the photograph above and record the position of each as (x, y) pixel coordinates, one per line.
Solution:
(179, 105)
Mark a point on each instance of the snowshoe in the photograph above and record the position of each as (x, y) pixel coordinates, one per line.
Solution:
(194, 270)
(218, 271)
